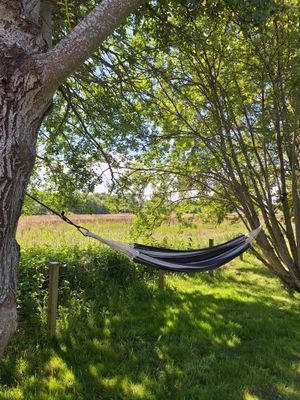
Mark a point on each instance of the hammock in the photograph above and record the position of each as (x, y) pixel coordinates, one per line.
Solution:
(201, 260)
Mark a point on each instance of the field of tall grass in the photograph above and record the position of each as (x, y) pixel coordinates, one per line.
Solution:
(234, 335)
(51, 231)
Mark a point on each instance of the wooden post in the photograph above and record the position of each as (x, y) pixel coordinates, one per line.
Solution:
(161, 279)
(52, 299)
(210, 244)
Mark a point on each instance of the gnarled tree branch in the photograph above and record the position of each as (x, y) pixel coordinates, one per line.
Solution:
(71, 51)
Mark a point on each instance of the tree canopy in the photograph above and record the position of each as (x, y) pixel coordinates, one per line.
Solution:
(191, 104)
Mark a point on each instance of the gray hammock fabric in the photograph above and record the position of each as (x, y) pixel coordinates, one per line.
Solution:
(206, 259)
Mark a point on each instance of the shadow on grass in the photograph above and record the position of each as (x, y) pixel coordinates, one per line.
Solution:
(129, 341)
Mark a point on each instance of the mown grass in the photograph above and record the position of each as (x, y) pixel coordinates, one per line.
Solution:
(234, 335)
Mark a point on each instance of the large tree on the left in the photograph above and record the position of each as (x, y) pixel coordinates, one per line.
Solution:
(30, 72)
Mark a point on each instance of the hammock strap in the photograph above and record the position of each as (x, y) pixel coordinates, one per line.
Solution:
(61, 215)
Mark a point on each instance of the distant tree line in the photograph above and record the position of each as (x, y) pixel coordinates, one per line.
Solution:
(78, 203)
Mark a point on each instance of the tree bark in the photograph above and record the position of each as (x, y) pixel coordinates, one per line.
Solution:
(20, 118)
(85, 38)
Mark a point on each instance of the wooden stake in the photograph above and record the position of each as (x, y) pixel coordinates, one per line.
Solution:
(210, 244)
(53, 296)
(161, 279)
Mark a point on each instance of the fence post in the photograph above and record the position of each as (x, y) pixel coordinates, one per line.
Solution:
(52, 297)
(161, 279)
(210, 244)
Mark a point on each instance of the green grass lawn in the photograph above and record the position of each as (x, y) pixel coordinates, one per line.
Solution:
(234, 335)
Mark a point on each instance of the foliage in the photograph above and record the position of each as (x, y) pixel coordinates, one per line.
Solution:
(222, 98)
(77, 203)
(190, 105)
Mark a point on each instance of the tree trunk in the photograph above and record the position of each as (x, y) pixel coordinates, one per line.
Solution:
(8, 320)
(21, 113)
(19, 124)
